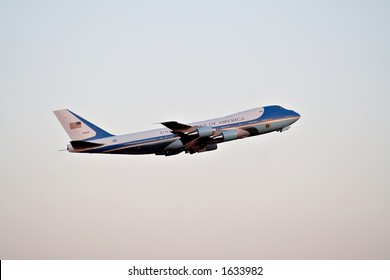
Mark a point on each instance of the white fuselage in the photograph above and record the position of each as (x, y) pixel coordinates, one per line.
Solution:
(159, 141)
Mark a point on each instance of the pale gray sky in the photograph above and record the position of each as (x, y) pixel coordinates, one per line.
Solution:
(318, 191)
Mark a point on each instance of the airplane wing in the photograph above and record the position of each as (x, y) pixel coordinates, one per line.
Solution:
(179, 128)
(193, 138)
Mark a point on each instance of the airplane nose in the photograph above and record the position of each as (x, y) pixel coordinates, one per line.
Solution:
(295, 115)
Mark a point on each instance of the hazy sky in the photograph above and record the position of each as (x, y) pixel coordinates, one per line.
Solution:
(318, 191)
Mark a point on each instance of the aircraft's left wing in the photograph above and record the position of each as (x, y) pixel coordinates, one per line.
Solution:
(193, 138)
(179, 128)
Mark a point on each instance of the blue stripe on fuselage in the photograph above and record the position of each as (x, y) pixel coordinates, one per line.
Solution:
(132, 143)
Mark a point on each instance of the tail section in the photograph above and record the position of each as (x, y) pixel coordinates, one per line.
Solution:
(79, 128)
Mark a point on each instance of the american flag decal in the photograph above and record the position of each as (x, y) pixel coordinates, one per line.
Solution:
(74, 125)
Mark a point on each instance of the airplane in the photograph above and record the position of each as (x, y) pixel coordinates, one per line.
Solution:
(175, 137)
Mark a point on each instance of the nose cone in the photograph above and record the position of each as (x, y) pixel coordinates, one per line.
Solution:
(296, 116)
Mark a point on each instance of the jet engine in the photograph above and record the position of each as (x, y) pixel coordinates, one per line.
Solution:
(202, 131)
(232, 134)
(174, 148)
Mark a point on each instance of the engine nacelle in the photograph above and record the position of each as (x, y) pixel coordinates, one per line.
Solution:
(202, 131)
(174, 148)
(227, 135)
(209, 147)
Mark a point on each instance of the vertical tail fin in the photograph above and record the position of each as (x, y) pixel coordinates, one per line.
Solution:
(79, 128)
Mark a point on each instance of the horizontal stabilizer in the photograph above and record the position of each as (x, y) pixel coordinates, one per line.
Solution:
(84, 144)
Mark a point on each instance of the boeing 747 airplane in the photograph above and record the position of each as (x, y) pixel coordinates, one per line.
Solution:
(175, 137)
